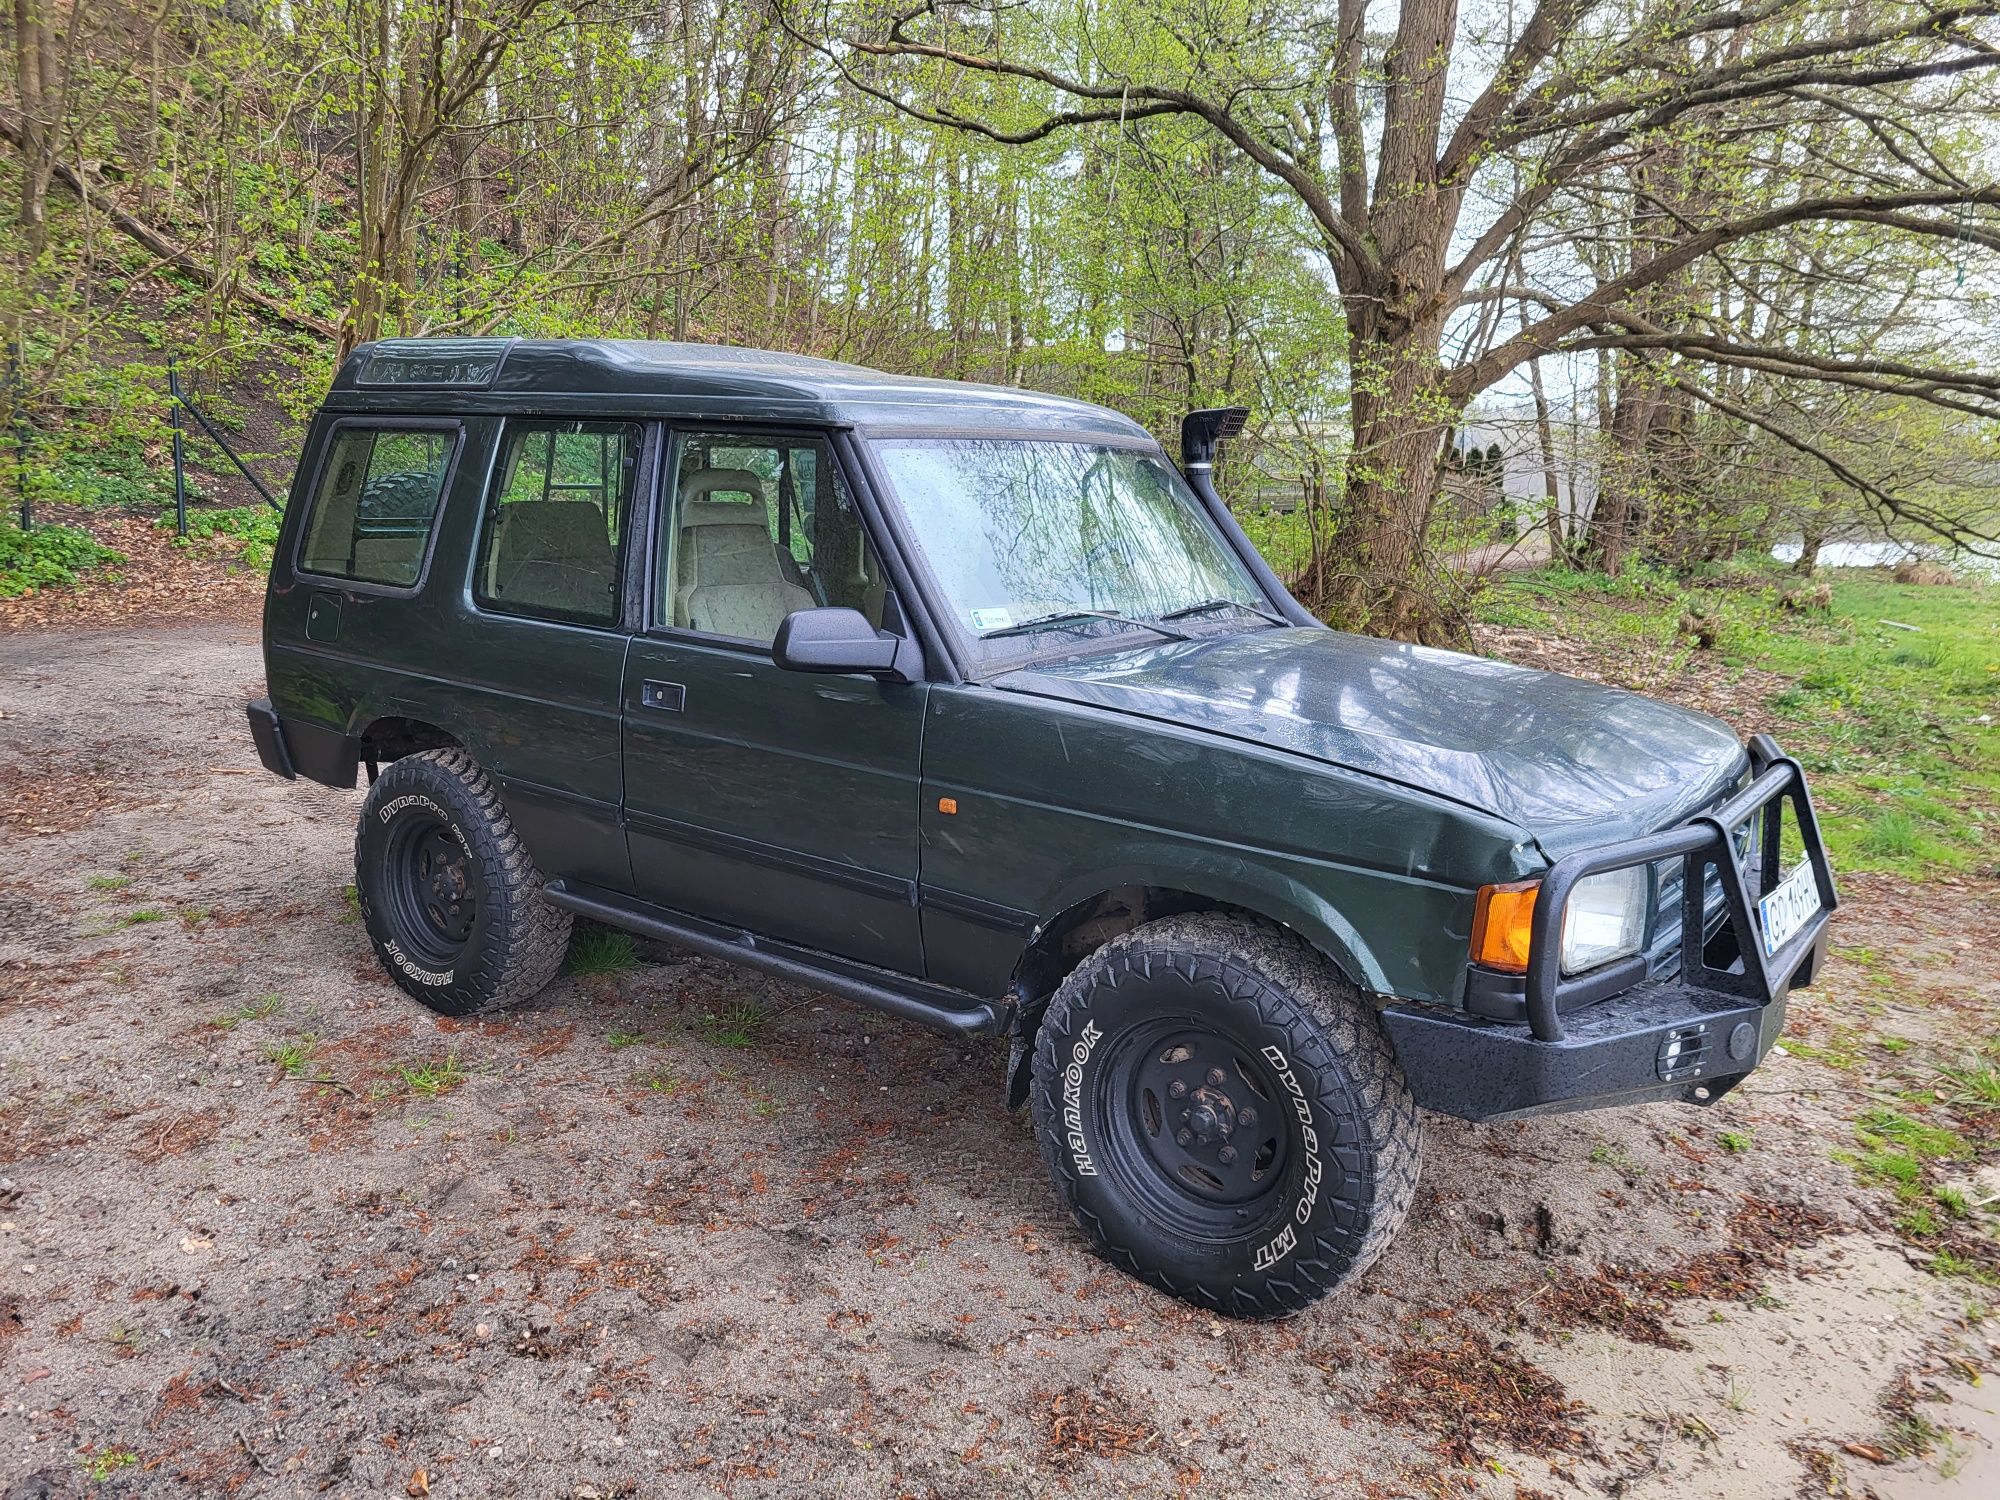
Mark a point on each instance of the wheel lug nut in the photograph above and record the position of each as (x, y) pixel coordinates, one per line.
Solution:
(1177, 1089)
(1226, 1155)
(1246, 1117)
(1216, 1077)
(1184, 1137)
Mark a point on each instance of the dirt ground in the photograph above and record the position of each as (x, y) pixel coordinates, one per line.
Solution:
(685, 1231)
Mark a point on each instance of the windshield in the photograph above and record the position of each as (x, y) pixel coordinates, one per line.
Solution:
(1080, 538)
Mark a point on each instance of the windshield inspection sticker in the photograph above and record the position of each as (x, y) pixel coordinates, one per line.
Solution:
(990, 619)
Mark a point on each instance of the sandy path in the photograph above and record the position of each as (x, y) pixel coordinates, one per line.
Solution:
(617, 1254)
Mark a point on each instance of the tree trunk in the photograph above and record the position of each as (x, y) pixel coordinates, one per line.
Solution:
(1810, 542)
(1551, 484)
(1370, 574)
(35, 75)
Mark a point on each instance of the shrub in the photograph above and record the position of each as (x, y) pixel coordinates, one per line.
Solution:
(47, 557)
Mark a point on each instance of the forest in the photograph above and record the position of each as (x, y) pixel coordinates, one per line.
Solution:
(1720, 275)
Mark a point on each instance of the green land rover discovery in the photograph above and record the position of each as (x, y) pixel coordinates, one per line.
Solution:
(967, 705)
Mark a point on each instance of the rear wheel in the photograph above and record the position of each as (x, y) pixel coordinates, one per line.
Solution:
(1224, 1115)
(450, 897)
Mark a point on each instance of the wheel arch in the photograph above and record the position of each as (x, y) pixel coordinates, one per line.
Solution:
(389, 736)
(1088, 921)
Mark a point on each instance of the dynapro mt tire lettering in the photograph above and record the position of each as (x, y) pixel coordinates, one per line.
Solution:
(1223, 1114)
(452, 902)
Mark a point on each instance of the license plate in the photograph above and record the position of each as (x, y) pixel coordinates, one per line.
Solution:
(1783, 912)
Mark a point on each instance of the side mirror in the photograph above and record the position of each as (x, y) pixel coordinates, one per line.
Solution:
(838, 640)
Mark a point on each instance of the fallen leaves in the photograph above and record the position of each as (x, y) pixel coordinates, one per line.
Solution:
(1076, 1424)
(1471, 1396)
(158, 581)
(1634, 1302)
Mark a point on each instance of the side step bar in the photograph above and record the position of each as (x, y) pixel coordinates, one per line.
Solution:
(941, 1009)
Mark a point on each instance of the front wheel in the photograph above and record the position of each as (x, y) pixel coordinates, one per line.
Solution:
(1224, 1114)
(450, 897)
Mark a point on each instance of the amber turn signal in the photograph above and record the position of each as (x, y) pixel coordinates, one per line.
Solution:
(1500, 925)
(947, 804)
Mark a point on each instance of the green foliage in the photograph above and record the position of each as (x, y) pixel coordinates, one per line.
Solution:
(48, 557)
(432, 1077)
(737, 1024)
(102, 478)
(596, 952)
(252, 529)
(293, 1058)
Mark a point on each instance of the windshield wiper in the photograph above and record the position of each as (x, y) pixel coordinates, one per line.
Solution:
(1212, 604)
(1065, 616)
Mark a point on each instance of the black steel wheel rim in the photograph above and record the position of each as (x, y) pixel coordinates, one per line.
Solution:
(432, 888)
(1195, 1126)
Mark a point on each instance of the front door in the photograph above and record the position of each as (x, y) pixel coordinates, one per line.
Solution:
(782, 802)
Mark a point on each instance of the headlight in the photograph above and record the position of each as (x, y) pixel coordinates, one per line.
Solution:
(1605, 918)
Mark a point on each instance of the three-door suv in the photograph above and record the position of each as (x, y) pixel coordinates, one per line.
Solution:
(967, 705)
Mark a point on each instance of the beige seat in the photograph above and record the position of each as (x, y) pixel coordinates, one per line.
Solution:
(555, 555)
(729, 578)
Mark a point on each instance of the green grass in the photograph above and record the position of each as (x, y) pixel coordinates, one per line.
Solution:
(738, 1024)
(433, 1077)
(595, 952)
(1735, 1142)
(660, 1081)
(621, 1037)
(1887, 722)
(293, 1058)
(260, 1009)
(140, 916)
(1977, 1085)
(108, 882)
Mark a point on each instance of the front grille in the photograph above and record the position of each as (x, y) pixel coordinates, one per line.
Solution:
(1663, 952)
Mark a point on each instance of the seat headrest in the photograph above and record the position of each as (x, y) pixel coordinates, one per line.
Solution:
(697, 509)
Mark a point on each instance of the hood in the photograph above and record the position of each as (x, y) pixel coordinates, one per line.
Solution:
(1571, 762)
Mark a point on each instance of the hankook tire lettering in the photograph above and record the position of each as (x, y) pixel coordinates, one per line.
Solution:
(1079, 1146)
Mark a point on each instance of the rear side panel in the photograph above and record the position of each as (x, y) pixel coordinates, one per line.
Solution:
(533, 701)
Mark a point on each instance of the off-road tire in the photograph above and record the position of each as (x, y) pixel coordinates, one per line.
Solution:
(1280, 1017)
(515, 940)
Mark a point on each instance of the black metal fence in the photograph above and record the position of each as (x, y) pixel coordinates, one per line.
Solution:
(17, 423)
(224, 454)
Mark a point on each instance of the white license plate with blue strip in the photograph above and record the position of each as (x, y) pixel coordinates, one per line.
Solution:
(1783, 914)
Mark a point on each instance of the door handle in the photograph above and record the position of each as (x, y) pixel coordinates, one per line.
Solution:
(667, 697)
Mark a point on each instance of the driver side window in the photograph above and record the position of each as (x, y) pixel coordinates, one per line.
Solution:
(758, 527)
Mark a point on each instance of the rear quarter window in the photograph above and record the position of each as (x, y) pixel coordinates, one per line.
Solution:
(376, 503)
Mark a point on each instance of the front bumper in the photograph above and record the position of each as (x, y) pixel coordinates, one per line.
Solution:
(1613, 1036)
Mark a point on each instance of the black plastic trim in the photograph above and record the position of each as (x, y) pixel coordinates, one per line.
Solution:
(1198, 480)
(320, 754)
(951, 1011)
(981, 913)
(268, 734)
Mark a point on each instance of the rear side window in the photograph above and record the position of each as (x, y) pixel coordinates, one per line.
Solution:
(378, 499)
(555, 520)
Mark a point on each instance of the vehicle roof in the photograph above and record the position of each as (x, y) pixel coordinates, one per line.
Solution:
(708, 380)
